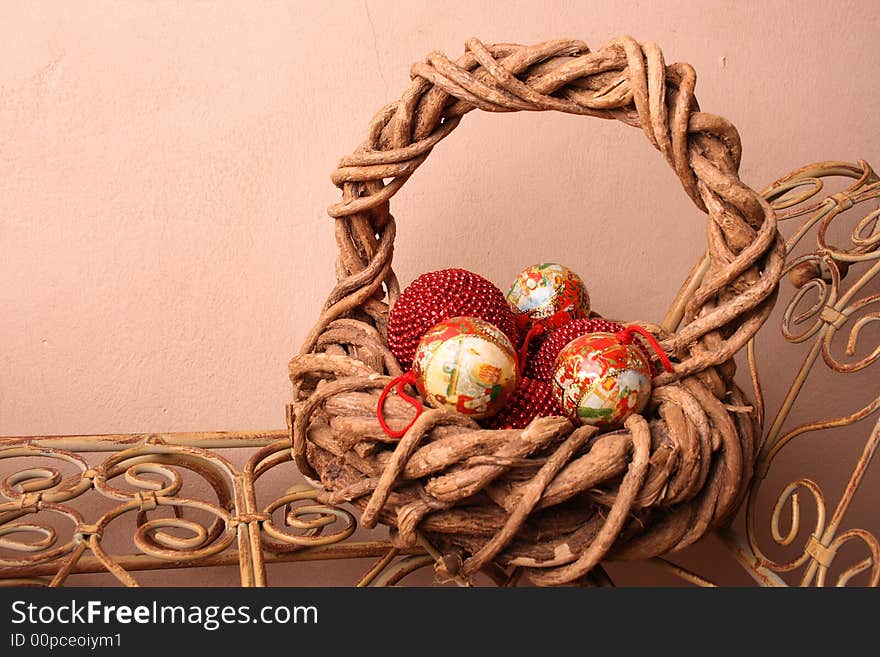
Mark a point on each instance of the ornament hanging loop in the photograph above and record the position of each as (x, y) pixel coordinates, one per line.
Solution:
(626, 337)
(535, 331)
(400, 382)
(559, 319)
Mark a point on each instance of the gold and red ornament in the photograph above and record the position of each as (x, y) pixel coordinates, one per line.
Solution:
(464, 364)
(531, 399)
(603, 378)
(540, 364)
(548, 294)
(439, 295)
(544, 297)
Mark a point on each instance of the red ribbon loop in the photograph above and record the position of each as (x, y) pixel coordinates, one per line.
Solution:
(535, 331)
(626, 337)
(400, 382)
(557, 320)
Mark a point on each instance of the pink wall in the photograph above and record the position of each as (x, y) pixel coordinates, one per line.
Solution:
(165, 173)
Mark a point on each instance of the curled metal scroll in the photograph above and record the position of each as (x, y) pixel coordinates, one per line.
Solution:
(832, 297)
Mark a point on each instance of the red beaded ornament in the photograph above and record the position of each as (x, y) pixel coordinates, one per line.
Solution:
(439, 295)
(540, 366)
(531, 399)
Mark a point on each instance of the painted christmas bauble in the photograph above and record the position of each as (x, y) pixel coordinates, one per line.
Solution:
(531, 399)
(439, 295)
(601, 380)
(467, 365)
(540, 365)
(542, 293)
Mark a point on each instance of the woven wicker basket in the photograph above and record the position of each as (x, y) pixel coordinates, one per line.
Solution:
(550, 500)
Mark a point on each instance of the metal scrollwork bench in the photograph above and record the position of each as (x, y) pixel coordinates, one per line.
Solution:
(179, 501)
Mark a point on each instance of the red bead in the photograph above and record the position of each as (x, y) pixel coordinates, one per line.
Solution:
(540, 365)
(531, 399)
(436, 296)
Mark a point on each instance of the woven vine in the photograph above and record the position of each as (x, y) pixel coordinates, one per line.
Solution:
(551, 499)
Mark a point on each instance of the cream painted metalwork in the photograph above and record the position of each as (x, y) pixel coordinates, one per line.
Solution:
(46, 536)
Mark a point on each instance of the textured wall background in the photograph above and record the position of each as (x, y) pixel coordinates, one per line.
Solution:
(164, 171)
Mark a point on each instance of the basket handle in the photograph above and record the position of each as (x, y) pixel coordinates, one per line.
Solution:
(624, 80)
